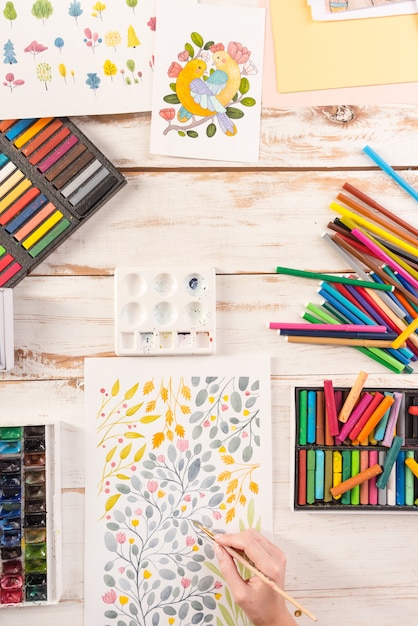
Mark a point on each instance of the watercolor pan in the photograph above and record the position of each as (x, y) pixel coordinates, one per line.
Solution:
(164, 311)
(30, 548)
(52, 178)
(320, 461)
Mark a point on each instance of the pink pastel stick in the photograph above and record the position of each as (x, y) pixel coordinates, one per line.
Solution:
(331, 409)
(354, 417)
(373, 495)
(384, 257)
(354, 328)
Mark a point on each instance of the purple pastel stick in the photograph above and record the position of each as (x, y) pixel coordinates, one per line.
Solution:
(393, 418)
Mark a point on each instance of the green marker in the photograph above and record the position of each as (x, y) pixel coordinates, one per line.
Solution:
(330, 278)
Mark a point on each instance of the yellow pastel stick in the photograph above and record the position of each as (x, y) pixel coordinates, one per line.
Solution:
(43, 228)
(14, 194)
(337, 470)
(413, 466)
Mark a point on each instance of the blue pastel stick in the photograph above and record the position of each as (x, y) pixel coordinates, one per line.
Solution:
(380, 429)
(319, 474)
(311, 432)
(32, 208)
(390, 172)
(390, 460)
(19, 127)
(400, 478)
(3, 159)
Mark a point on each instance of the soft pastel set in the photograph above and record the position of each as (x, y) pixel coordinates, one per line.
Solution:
(52, 178)
(164, 311)
(355, 449)
(29, 515)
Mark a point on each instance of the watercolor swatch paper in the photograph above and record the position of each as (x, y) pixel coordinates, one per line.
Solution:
(171, 440)
(207, 82)
(309, 54)
(359, 9)
(68, 57)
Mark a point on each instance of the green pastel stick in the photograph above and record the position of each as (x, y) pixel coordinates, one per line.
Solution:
(310, 482)
(355, 469)
(328, 476)
(303, 417)
(390, 460)
(346, 497)
(409, 481)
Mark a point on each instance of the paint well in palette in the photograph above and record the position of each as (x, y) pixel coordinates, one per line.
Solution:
(51, 178)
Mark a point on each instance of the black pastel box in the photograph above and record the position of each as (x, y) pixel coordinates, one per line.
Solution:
(52, 178)
(30, 546)
(371, 465)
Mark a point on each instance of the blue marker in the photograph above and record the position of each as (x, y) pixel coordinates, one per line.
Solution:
(390, 171)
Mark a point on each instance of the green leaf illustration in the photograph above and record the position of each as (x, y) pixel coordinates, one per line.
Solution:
(248, 102)
(197, 39)
(244, 85)
(233, 113)
(171, 99)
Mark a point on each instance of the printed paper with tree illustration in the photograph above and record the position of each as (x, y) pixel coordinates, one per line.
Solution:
(206, 100)
(169, 441)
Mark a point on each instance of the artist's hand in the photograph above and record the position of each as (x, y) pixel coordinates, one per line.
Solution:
(263, 606)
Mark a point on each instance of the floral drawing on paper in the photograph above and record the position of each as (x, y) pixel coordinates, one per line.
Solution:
(211, 88)
(173, 450)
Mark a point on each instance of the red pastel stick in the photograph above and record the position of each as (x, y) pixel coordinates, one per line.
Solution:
(302, 477)
(331, 409)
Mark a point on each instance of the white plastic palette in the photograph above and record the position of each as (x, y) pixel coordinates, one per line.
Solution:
(6, 330)
(163, 312)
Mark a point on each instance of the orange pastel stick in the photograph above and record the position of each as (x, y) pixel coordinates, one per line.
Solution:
(352, 397)
(375, 417)
(358, 479)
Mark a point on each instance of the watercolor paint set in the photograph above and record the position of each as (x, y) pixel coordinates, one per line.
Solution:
(30, 548)
(6, 330)
(164, 312)
(52, 178)
(366, 463)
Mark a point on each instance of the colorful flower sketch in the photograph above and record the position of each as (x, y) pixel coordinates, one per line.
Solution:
(211, 87)
(334, 6)
(171, 448)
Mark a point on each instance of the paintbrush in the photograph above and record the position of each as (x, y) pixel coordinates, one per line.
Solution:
(241, 557)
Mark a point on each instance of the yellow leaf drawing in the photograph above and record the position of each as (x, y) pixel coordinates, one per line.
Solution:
(180, 432)
(185, 409)
(169, 417)
(148, 419)
(227, 459)
(131, 392)
(139, 454)
(170, 435)
(133, 409)
(231, 498)
(125, 451)
(132, 435)
(253, 487)
(151, 406)
(164, 394)
(112, 501)
(224, 476)
(115, 388)
(185, 392)
(242, 499)
(230, 515)
(110, 454)
(148, 387)
(157, 439)
(62, 70)
(232, 485)
(122, 476)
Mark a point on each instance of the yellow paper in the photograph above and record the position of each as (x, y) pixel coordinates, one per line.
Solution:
(327, 55)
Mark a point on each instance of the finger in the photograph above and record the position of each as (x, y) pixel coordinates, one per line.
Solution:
(229, 571)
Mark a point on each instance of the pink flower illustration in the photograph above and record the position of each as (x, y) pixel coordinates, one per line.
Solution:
(187, 497)
(152, 486)
(216, 47)
(167, 114)
(109, 597)
(224, 407)
(186, 582)
(216, 515)
(238, 52)
(174, 69)
(152, 23)
(206, 423)
(161, 457)
(190, 541)
(182, 445)
(244, 434)
(120, 537)
(218, 584)
(183, 55)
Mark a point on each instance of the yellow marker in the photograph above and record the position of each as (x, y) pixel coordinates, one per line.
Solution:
(337, 467)
(396, 343)
(43, 228)
(413, 466)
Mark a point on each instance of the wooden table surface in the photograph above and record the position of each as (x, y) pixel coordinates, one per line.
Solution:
(354, 570)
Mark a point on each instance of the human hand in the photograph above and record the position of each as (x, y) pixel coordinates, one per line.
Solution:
(260, 602)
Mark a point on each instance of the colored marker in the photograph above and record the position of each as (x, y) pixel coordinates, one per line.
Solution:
(331, 278)
(390, 171)
(359, 328)
(403, 336)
